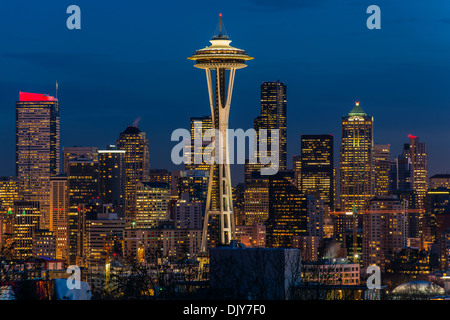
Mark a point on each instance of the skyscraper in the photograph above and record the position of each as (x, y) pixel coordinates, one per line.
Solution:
(27, 220)
(401, 174)
(152, 204)
(256, 202)
(10, 192)
(385, 227)
(59, 213)
(111, 177)
(71, 153)
(198, 127)
(357, 167)
(317, 171)
(273, 117)
(137, 166)
(37, 147)
(297, 167)
(101, 229)
(82, 175)
(187, 215)
(382, 166)
(287, 211)
(417, 152)
(192, 185)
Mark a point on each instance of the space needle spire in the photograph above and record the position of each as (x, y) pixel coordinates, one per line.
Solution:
(217, 60)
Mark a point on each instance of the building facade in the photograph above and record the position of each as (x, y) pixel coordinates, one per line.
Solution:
(152, 204)
(111, 177)
(357, 167)
(385, 226)
(59, 213)
(137, 166)
(317, 167)
(37, 147)
(287, 211)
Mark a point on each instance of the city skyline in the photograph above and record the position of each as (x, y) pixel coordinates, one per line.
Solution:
(399, 71)
(106, 202)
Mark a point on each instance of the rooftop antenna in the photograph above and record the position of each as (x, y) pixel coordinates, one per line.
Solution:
(221, 33)
(56, 93)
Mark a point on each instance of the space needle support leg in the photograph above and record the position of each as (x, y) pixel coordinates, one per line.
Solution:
(211, 170)
(229, 197)
(226, 201)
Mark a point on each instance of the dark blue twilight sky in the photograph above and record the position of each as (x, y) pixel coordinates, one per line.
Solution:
(129, 61)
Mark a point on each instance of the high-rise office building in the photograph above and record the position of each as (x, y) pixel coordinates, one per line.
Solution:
(101, 231)
(385, 227)
(10, 191)
(78, 152)
(256, 202)
(401, 174)
(401, 185)
(37, 146)
(347, 231)
(193, 185)
(287, 211)
(297, 167)
(27, 219)
(197, 149)
(137, 166)
(82, 178)
(59, 213)
(417, 152)
(316, 215)
(273, 117)
(382, 166)
(238, 202)
(111, 177)
(436, 205)
(152, 204)
(357, 167)
(317, 171)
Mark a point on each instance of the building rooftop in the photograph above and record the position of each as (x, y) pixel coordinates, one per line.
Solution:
(27, 96)
(357, 111)
(131, 130)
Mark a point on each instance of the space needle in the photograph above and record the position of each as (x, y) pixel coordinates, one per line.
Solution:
(220, 60)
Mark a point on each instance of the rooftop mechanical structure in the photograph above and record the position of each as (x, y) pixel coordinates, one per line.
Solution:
(220, 61)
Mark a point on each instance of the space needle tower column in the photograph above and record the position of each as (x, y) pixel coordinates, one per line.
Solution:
(218, 59)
